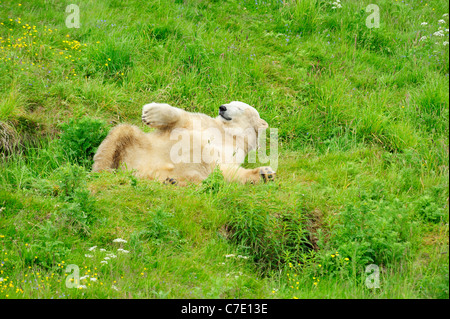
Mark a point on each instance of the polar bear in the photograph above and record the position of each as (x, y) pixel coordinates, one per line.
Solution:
(186, 147)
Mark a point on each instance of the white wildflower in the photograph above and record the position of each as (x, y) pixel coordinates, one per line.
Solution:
(441, 21)
(84, 277)
(423, 23)
(92, 248)
(107, 258)
(445, 15)
(423, 38)
(123, 251)
(114, 287)
(230, 255)
(110, 256)
(336, 4)
(244, 257)
(1, 279)
(81, 287)
(439, 33)
(88, 256)
(446, 30)
(93, 279)
(445, 43)
(102, 249)
(119, 240)
(104, 262)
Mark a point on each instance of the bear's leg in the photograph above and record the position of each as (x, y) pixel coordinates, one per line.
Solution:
(113, 148)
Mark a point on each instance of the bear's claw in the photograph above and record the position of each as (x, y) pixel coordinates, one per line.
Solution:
(171, 181)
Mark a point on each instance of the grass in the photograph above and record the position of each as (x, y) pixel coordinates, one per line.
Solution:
(362, 117)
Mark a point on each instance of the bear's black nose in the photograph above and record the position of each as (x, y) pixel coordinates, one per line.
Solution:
(223, 108)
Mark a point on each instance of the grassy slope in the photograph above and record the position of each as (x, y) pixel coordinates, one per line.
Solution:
(363, 122)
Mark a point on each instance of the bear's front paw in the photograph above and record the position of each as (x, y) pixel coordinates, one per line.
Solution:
(267, 174)
(158, 115)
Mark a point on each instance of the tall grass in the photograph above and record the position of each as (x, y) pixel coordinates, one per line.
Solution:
(362, 117)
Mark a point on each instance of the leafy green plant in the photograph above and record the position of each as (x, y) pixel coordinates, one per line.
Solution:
(159, 230)
(48, 250)
(78, 205)
(430, 211)
(272, 239)
(374, 230)
(214, 182)
(80, 139)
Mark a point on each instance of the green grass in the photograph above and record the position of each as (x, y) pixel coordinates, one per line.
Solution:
(362, 117)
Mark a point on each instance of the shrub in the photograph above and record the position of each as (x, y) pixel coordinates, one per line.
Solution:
(80, 139)
(78, 208)
(374, 230)
(272, 239)
(427, 209)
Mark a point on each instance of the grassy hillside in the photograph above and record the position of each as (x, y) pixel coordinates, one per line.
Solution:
(363, 122)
